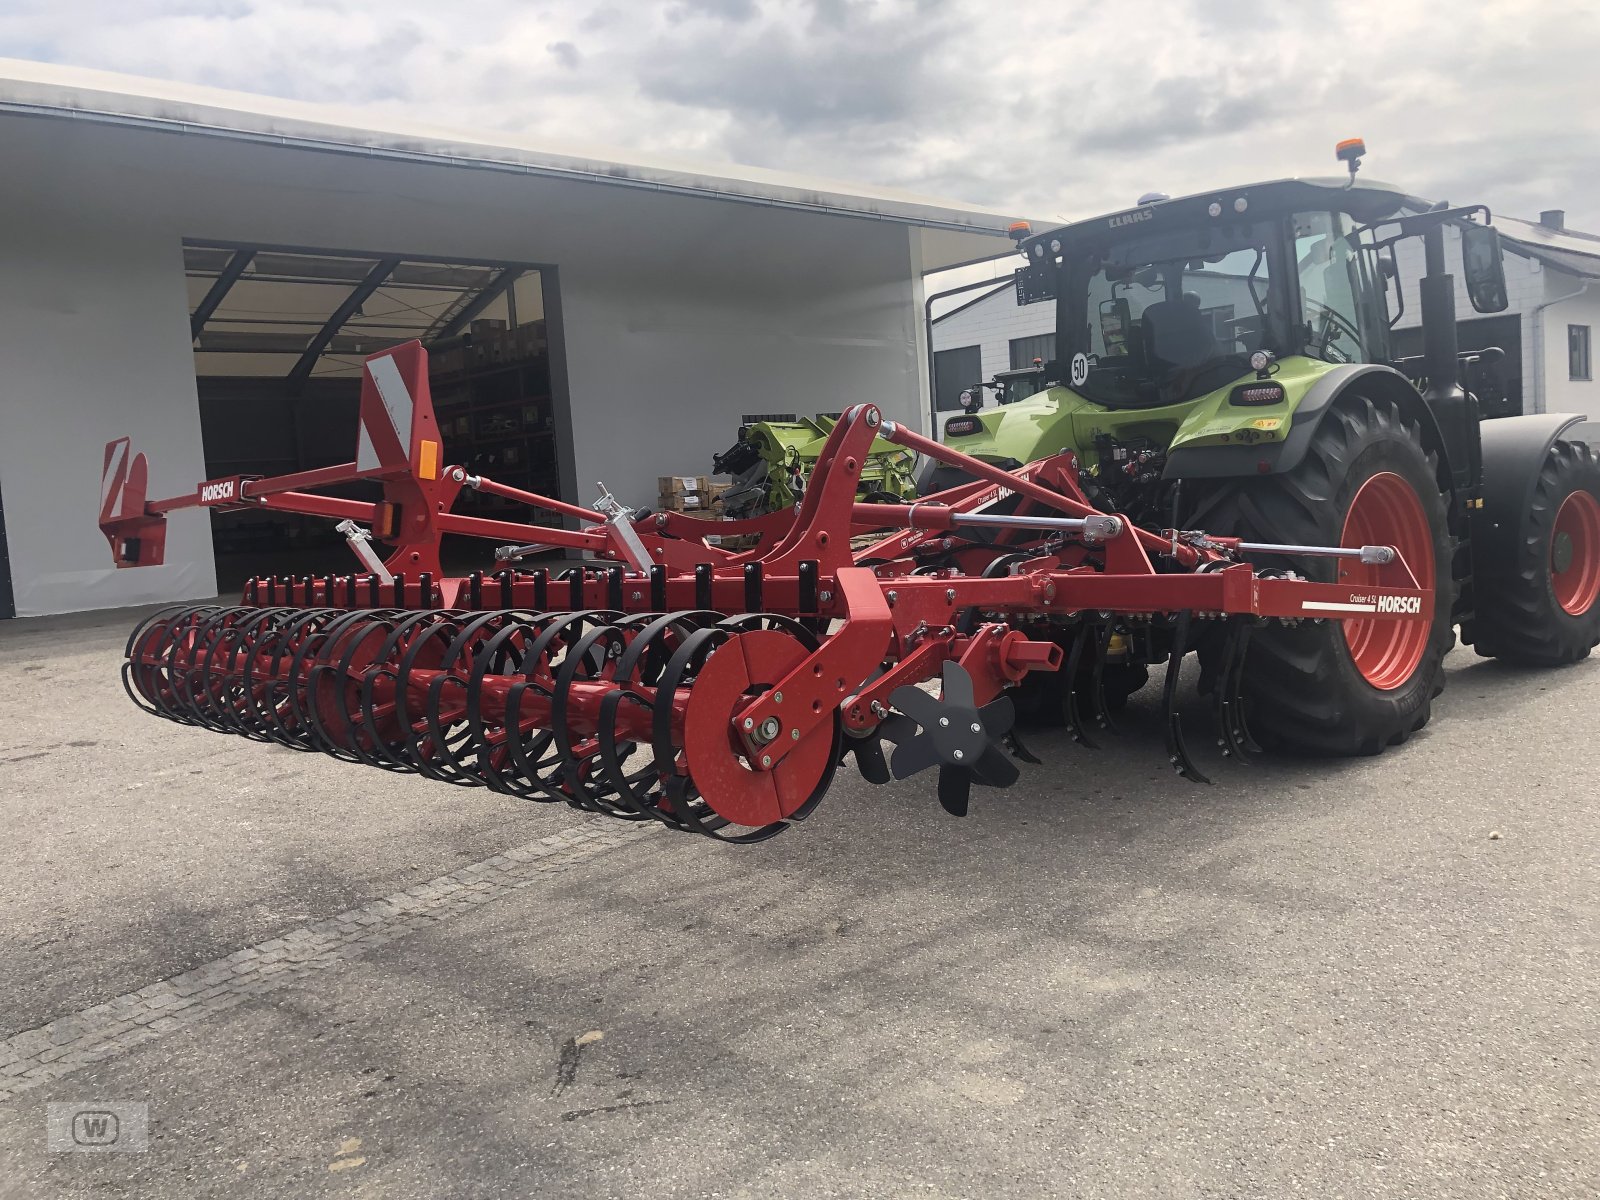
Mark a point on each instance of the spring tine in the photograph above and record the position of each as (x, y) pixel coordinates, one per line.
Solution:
(1233, 700)
(1097, 686)
(1071, 712)
(1177, 747)
(1225, 698)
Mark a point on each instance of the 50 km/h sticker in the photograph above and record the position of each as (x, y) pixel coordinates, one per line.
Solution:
(1080, 368)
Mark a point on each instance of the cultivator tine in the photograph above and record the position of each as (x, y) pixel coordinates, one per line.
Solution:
(1177, 747)
(1072, 709)
(1097, 679)
(1227, 698)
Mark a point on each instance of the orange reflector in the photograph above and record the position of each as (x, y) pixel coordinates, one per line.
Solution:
(383, 520)
(427, 460)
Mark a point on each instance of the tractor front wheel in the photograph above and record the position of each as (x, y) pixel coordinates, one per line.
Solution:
(1345, 687)
(1543, 608)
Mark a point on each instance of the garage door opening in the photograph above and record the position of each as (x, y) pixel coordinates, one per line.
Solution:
(279, 338)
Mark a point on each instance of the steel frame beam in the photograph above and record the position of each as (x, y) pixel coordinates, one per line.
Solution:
(219, 289)
(362, 293)
(465, 315)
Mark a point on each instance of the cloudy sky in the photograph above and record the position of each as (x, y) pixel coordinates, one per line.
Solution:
(1069, 108)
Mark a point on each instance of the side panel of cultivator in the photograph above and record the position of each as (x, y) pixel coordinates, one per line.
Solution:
(659, 677)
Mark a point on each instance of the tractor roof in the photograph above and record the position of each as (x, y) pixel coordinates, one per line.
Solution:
(1363, 200)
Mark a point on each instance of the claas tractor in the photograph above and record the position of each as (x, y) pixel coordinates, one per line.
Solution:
(776, 453)
(1225, 361)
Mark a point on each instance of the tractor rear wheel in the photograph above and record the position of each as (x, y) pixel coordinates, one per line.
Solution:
(1544, 608)
(1345, 687)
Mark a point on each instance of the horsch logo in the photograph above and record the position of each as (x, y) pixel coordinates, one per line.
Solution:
(1400, 604)
(211, 493)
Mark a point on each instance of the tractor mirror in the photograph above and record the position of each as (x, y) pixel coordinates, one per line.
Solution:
(1484, 268)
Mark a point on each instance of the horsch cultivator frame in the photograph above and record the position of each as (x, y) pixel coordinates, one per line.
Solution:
(659, 676)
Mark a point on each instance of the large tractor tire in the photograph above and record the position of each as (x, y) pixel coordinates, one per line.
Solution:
(1345, 687)
(1543, 609)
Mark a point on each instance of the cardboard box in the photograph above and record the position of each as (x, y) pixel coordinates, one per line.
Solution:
(681, 485)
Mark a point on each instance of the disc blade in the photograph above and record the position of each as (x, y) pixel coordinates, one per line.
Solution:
(912, 756)
(955, 790)
(957, 686)
(998, 716)
(995, 769)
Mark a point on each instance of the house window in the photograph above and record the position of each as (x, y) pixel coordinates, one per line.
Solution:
(1025, 350)
(1578, 362)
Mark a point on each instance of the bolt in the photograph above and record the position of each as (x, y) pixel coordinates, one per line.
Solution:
(766, 760)
(959, 755)
(892, 596)
(636, 596)
(944, 720)
(794, 735)
(777, 697)
(878, 710)
(749, 723)
(949, 595)
(825, 597)
(976, 728)
(769, 729)
(872, 418)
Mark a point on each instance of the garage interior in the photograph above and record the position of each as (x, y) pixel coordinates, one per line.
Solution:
(279, 338)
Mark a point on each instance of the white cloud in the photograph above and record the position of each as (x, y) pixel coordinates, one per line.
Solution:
(1066, 108)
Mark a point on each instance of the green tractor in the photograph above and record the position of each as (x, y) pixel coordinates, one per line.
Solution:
(1224, 362)
(775, 455)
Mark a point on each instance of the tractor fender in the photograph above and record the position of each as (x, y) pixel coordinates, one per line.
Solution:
(1514, 450)
(1277, 458)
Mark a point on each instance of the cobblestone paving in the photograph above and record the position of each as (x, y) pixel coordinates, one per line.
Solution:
(50, 1051)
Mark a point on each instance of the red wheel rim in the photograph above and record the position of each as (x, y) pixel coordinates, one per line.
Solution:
(1575, 553)
(1386, 512)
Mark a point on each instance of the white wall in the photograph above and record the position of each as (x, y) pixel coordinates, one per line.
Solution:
(680, 314)
(94, 345)
(992, 323)
(1562, 393)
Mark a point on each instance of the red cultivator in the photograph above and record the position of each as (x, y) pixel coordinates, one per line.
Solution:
(663, 677)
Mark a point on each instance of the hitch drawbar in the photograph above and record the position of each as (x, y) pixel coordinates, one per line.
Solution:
(661, 676)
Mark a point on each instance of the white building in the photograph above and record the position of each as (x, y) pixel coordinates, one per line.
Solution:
(1548, 332)
(202, 270)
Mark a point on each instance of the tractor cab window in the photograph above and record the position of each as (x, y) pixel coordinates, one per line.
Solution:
(1330, 284)
(1169, 318)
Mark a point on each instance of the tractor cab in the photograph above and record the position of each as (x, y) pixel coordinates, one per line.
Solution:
(1199, 325)
(1168, 301)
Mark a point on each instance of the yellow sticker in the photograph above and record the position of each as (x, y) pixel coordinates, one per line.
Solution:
(1267, 422)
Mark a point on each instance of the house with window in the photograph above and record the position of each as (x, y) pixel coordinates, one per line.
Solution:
(1546, 333)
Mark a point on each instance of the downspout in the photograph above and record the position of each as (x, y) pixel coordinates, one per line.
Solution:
(927, 320)
(1536, 314)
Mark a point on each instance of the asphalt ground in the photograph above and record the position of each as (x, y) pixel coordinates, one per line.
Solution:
(1367, 978)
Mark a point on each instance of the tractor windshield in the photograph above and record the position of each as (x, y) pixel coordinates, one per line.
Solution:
(1163, 319)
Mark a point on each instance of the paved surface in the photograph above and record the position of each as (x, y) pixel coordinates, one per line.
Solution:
(1319, 980)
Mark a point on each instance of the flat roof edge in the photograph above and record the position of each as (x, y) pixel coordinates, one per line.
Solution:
(51, 92)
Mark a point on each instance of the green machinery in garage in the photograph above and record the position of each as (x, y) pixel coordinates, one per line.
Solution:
(775, 455)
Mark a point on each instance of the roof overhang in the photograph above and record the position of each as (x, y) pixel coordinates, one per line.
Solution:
(73, 93)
